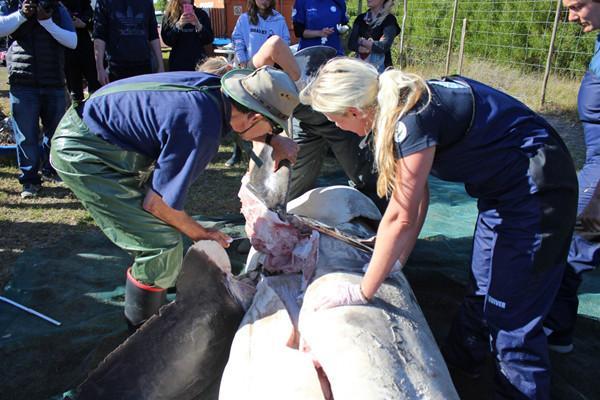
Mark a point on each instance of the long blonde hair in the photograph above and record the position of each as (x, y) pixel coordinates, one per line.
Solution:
(216, 65)
(173, 11)
(348, 82)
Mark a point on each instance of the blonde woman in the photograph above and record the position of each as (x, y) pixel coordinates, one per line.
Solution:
(510, 159)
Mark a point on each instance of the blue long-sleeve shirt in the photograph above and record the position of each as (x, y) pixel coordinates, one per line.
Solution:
(248, 38)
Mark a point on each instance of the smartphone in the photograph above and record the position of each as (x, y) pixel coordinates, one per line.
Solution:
(188, 9)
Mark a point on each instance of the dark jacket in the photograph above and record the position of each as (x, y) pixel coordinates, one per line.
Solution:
(187, 45)
(35, 58)
(388, 28)
(127, 27)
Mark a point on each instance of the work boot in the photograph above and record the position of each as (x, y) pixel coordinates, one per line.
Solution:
(141, 301)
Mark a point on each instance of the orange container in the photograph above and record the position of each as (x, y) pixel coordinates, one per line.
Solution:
(224, 14)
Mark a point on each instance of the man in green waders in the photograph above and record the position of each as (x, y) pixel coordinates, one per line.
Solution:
(132, 151)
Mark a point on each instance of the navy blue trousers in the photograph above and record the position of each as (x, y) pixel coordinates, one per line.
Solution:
(519, 257)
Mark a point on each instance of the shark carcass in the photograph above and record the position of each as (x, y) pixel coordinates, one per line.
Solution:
(285, 349)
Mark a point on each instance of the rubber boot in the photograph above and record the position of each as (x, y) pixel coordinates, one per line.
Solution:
(141, 301)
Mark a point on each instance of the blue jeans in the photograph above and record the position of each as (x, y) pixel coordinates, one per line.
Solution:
(28, 105)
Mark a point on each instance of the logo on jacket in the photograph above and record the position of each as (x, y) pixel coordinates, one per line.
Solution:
(401, 132)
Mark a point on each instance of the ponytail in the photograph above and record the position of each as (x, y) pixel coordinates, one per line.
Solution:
(398, 93)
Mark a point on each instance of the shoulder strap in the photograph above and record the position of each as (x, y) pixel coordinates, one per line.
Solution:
(152, 86)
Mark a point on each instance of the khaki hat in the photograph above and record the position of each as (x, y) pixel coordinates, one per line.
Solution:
(266, 90)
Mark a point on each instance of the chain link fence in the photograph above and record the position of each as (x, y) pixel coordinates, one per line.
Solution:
(521, 46)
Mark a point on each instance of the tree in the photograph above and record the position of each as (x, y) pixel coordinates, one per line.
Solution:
(159, 5)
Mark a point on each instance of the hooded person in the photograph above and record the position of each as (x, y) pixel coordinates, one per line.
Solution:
(131, 152)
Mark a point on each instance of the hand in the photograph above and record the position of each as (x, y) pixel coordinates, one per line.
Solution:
(327, 31)
(186, 19)
(43, 14)
(218, 236)
(367, 44)
(102, 76)
(590, 216)
(78, 23)
(343, 294)
(284, 148)
(28, 8)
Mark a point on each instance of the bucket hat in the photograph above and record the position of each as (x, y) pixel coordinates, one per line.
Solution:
(266, 90)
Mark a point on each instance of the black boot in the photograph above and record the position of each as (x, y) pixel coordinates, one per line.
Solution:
(141, 301)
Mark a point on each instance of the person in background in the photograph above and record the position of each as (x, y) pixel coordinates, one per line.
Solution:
(373, 34)
(584, 253)
(79, 63)
(274, 53)
(126, 34)
(188, 31)
(118, 155)
(251, 32)
(318, 22)
(36, 75)
(523, 177)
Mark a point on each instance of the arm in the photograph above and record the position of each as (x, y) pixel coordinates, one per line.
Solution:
(67, 36)
(403, 219)
(100, 36)
(181, 221)
(354, 34)
(155, 44)
(276, 51)
(238, 37)
(10, 23)
(99, 48)
(590, 216)
(169, 33)
(384, 44)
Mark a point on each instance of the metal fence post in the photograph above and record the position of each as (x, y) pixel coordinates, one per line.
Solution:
(461, 52)
(550, 51)
(450, 38)
(405, 10)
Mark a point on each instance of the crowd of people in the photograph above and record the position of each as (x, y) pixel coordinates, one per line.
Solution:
(538, 222)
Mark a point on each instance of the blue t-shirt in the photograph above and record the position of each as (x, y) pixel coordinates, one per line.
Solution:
(484, 138)
(180, 130)
(319, 14)
(588, 105)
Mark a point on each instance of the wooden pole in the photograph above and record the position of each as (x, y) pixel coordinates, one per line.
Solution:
(405, 10)
(450, 38)
(461, 52)
(550, 51)
(359, 7)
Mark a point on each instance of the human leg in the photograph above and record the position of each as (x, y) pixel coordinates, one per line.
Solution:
(73, 74)
(467, 344)
(25, 108)
(52, 108)
(584, 255)
(106, 179)
(311, 153)
(529, 259)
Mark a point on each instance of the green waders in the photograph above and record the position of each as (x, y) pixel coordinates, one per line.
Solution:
(109, 181)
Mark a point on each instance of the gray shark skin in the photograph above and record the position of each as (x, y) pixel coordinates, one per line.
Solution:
(180, 353)
(286, 350)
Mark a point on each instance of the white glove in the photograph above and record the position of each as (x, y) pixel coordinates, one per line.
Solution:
(342, 294)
